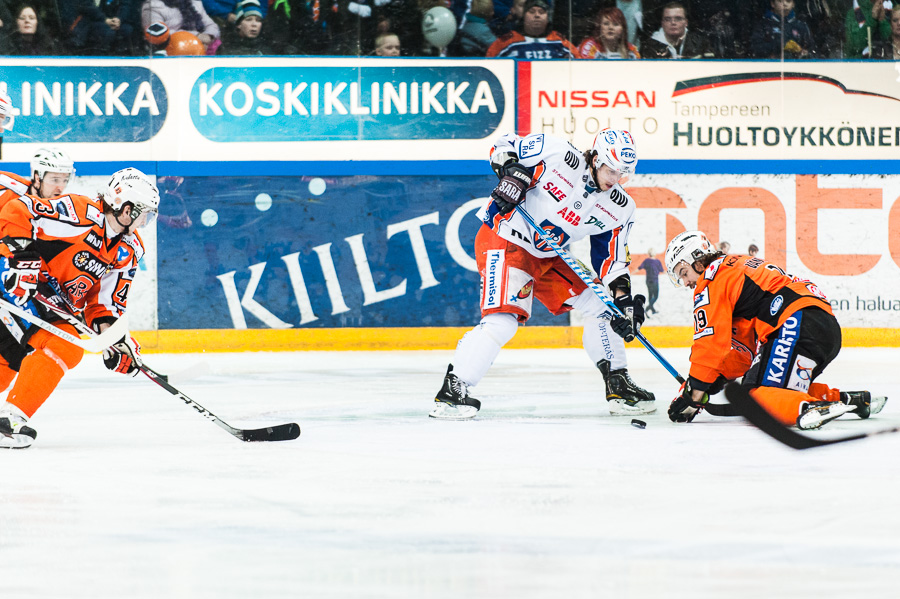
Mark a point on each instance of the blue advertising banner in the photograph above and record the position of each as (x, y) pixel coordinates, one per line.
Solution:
(346, 103)
(352, 251)
(97, 104)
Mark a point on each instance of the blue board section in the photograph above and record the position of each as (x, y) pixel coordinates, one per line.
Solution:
(360, 251)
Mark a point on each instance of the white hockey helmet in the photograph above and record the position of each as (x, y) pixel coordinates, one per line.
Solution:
(615, 149)
(51, 160)
(6, 111)
(131, 186)
(687, 247)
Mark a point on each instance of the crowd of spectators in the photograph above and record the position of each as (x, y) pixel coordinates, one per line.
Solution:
(530, 29)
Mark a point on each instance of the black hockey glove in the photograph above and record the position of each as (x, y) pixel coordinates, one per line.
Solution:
(683, 408)
(22, 277)
(633, 309)
(124, 356)
(511, 188)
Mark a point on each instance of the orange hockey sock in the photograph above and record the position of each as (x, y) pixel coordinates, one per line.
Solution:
(824, 393)
(43, 369)
(782, 404)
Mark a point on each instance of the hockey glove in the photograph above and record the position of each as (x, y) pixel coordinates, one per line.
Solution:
(511, 189)
(683, 408)
(124, 357)
(22, 277)
(633, 309)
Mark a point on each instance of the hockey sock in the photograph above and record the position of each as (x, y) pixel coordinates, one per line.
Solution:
(824, 393)
(782, 404)
(7, 375)
(601, 343)
(478, 348)
(42, 370)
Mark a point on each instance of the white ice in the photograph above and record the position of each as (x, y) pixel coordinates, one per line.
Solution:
(128, 493)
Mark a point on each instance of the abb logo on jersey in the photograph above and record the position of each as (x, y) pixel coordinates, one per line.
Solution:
(570, 216)
(555, 191)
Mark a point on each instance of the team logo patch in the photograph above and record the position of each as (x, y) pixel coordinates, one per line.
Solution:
(531, 146)
(555, 232)
(524, 282)
(523, 293)
(776, 304)
(781, 356)
(627, 155)
(801, 374)
(610, 137)
(122, 254)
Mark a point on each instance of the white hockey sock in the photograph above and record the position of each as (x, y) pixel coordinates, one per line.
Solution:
(601, 343)
(478, 348)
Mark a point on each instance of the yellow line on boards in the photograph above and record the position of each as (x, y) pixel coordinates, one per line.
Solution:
(414, 338)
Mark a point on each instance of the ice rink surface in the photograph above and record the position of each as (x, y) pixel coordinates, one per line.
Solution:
(128, 493)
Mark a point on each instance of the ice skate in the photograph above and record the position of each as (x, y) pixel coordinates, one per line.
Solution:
(14, 430)
(623, 395)
(816, 414)
(453, 401)
(864, 404)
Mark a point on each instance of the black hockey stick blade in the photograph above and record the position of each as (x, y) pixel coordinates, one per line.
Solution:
(281, 432)
(761, 419)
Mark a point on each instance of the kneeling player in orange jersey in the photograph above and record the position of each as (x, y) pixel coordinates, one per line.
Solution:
(739, 298)
(83, 254)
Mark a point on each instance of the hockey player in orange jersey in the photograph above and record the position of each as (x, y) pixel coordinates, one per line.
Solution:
(737, 298)
(51, 172)
(83, 254)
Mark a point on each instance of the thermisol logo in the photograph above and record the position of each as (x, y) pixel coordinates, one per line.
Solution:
(85, 104)
(346, 103)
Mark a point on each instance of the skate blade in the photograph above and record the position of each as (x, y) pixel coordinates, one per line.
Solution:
(820, 416)
(15, 441)
(445, 411)
(618, 407)
(876, 404)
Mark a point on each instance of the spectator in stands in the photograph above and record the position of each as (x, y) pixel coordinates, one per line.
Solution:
(726, 24)
(890, 50)
(475, 35)
(724, 247)
(245, 37)
(100, 27)
(609, 38)
(753, 250)
(825, 19)
(781, 34)
(29, 38)
(866, 20)
(674, 39)
(507, 16)
(574, 19)
(181, 15)
(387, 44)
(298, 27)
(652, 267)
(535, 40)
(403, 18)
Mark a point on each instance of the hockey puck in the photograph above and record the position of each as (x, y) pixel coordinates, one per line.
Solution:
(638, 423)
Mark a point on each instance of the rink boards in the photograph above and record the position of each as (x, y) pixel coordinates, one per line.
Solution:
(331, 203)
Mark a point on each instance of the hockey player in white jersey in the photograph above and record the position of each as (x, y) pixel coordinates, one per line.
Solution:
(571, 195)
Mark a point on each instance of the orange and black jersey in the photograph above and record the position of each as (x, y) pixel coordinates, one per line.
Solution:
(12, 186)
(735, 290)
(85, 262)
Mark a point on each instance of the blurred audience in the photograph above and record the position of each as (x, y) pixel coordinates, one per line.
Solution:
(890, 49)
(866, 24)
(609, 38)
(100, 27)
(245, 37)
(182, 15)
(28, 37)
(387, 44)
(781, 34)
(535, 40)
(674, 39)
(475, 35)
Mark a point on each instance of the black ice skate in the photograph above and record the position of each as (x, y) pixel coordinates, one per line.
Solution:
(865, 405)
(623, 395)
(14, 430)
(816, 414)
(453, 401)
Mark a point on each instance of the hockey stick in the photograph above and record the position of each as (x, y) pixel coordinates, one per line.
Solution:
(761, 419)
(95, 344)
(584, 276)
(280, 432)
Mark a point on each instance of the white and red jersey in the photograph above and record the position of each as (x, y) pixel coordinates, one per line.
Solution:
(86, 263)
(563, 200)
